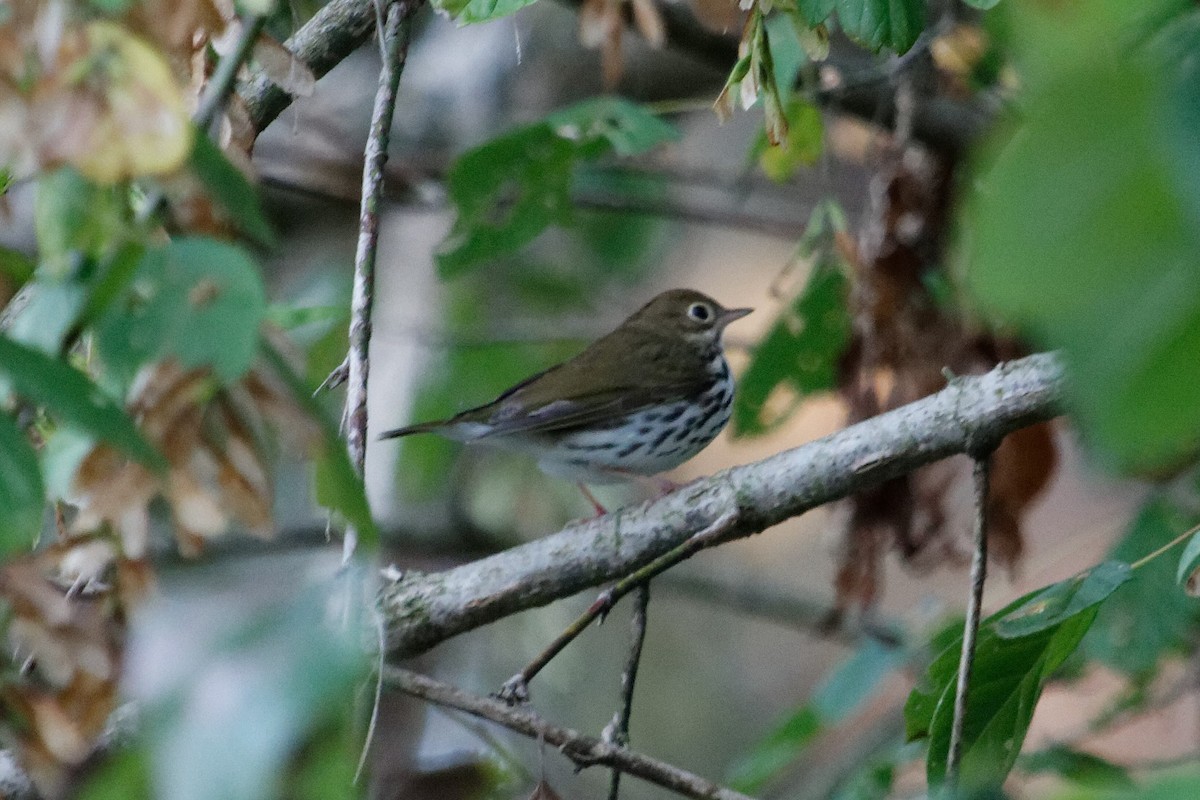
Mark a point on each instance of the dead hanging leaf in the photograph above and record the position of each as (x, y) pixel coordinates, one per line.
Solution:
(214, 439)
(66, 639)
(602, 27)
(111, 107)
(906, 331)
(543, 792)
(720, 16)
(175, 26)
(752, 78)
(958, 52)
(649, 22)
(284, 69)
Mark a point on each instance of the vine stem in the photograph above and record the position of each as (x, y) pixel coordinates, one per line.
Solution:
(395, 40)
(982, 475)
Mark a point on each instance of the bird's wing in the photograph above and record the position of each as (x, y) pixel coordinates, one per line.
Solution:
(563, 413)
(604, 382)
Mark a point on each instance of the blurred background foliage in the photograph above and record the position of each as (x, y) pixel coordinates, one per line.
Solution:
(906, 189)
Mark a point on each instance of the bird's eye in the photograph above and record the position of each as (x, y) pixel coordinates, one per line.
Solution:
(700, 312)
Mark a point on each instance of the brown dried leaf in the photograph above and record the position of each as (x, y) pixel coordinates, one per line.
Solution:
(903, 339)
(721, 16)
(177, 25)
(594, 22)
(214, 439)
(67, 637)
(958, 52)
(284, 69)
(649, 22)
(543, 792)
(111, 107)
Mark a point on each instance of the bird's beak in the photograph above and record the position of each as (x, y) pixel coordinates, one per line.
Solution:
(729, 315)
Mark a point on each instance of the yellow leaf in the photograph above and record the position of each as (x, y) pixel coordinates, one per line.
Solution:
(122, 115)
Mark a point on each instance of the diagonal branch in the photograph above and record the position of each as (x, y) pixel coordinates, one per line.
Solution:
(422, 610)
(585, 751)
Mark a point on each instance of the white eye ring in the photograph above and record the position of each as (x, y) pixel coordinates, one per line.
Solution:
(701, 312)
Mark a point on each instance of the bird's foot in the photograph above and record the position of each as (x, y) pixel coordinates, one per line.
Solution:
(591, 498)
(514, 691)
(663, 486)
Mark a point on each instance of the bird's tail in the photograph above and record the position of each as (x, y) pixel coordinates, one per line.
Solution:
(408, 430)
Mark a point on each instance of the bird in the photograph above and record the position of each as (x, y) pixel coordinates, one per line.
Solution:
(639, 401)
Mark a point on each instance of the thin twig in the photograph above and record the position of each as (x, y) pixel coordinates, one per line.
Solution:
(982, 473)
(516, 688)
(223, 79)
(1178, 540)
(396, 35)
(583, 751)
(373, 722)
(618, 731)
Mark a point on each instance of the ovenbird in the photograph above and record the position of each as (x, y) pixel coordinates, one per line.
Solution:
(639, 401)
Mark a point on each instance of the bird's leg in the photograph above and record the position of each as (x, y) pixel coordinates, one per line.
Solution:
(663, 485)
(660, 485)
(591, 498)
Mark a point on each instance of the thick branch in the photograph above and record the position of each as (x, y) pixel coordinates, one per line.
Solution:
(583, 750)
(333, 33)
(424, 609)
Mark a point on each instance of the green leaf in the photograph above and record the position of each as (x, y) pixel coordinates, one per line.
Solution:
(780, 747)
(15, 266)
(123, 776)
(114, 275)
(1077, 767)
(983, 5)
(882, 23)
(1099, 181)
(1006, 683)
(786, 52)
(612, 121)
(1189, 562)
(801, 350)
(71, 396)
(339, 487)
(1142, 621)
(197, 299)
(229, 187)
(815, 11)
(234, 667)
(842, 692)
(52, 309)
(75, 220)
(1007, 679)
(506, 192)
(805, 140)
(1177, 784)
(466, 12)
(22, 496)
(1062, 600)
